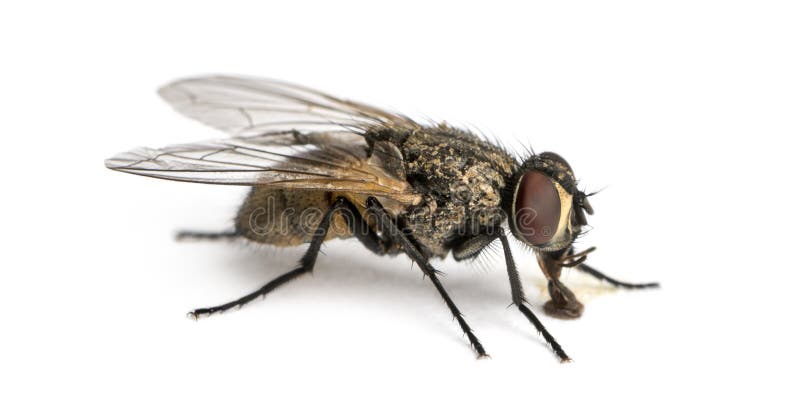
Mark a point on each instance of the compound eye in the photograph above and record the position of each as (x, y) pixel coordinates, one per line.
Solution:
(537, 209)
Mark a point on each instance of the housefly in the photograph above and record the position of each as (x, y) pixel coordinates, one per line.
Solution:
(320, 168)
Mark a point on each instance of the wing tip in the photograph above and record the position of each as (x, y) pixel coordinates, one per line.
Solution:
(123, 160)
(117, 165)
(174, 85)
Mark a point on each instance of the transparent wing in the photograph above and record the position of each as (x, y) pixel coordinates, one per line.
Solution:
(252, 106)
(327, 161)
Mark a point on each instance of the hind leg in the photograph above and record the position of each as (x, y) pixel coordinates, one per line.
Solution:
(306, 265)
(185, 235)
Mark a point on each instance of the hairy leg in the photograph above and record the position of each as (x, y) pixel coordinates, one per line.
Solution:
(185, 235)
(390, 229)
(601, 276)
(306, 265)
(518, 297)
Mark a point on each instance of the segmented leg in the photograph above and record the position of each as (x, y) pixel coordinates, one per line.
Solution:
(201, 235)
(390, 230)
(362, 231)
(518, 297)
(599, 275)
(306, 265)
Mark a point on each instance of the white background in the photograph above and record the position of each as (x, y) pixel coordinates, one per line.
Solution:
(686, 112)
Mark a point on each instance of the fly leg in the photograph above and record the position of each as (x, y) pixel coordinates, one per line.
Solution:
(473, 246)
(388, 228)
(202, 235)
(306, 265)
(616, 283)
(563, 303)
(518, 296)
(363, 232)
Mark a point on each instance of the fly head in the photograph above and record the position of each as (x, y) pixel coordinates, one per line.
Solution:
(545, 208)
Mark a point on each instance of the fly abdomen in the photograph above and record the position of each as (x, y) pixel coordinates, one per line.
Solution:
(283, 217)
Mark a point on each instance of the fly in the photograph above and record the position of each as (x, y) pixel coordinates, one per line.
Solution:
(320, 168)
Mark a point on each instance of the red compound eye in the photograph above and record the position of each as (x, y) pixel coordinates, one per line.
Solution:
(537, 209)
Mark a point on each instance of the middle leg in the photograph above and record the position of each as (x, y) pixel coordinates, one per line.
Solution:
(389, 229)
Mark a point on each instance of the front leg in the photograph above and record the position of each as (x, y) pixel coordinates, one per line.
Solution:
(473, 246)
(563, 303)
(614, 282)
(518, 296)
